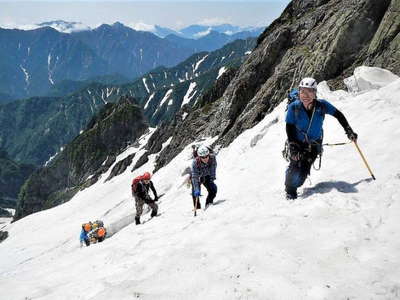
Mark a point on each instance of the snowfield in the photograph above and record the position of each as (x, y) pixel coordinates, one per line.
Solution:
(339, 240)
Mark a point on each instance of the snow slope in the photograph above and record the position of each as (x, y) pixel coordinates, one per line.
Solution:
(339, 240)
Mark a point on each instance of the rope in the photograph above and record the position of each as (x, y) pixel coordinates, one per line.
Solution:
(337, 144)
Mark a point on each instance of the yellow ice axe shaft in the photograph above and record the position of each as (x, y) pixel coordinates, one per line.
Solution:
(365, 161)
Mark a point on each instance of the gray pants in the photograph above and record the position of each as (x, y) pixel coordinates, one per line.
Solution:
(139, 202)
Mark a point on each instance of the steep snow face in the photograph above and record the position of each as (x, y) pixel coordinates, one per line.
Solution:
(339, 240)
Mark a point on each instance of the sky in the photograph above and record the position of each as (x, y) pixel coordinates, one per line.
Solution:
(140, 14)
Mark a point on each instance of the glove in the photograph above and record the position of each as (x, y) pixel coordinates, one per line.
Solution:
(156, 199)
(196, 193)
(294, 151)
(351, 134)
(148, 200)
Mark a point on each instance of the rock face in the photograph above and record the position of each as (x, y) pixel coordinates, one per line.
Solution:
(325, 39)
(84, 159)
(3, 235)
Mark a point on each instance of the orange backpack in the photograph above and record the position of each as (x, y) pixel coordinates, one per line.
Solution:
(87, 226)
(101, 232)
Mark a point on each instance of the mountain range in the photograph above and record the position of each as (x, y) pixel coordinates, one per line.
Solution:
(188, 32)
(36, 129)
(33, 61)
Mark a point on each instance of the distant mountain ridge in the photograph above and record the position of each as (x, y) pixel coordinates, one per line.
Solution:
(194, 31)
(33, 61)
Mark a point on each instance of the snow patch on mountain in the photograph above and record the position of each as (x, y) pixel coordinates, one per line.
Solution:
(199, 63)
(221, 71)
(26, 74)
(189, 93)
(145, 84)
(148, 101)
(367, 78)
(166, 96)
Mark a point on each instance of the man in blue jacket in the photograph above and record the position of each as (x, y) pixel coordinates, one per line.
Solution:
(304, 121)
(203, 172)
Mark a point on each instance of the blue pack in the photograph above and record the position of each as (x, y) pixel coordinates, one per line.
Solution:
(293, 95)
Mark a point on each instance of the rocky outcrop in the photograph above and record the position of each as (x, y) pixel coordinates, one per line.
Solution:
(3, 235)
(83, 160)
(384, 49)
(121, 166)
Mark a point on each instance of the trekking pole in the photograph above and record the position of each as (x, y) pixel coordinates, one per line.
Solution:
(195, 206)
(365, 161)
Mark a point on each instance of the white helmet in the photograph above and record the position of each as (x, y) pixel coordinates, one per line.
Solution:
(203, 151)
(308, 82)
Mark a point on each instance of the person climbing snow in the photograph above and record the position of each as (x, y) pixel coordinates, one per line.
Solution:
(204, 167)
(92, 233)
(140, 191)
(304, 121)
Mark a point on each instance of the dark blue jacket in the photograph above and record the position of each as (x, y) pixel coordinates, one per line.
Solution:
(297, 116)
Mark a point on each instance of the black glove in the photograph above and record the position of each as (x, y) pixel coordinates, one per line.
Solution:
(351, 134)
(156, 199)
(295, 151)
(148, 200)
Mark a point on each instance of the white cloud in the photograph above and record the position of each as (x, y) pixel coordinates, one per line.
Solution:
(203, 33)
(19, 26)
(140, 26)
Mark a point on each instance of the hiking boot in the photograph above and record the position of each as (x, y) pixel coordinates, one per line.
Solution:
(291, 193)
(153, 213)
(137, 220)
(291, 196)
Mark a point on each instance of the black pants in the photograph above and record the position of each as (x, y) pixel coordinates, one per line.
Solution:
(298, 171)
(211, 189)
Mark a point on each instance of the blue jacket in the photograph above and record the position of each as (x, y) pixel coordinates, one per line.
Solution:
(83, 236)
(297, 116)
(200, 169)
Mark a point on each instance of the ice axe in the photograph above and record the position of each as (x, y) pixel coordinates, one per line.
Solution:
(363, 158)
